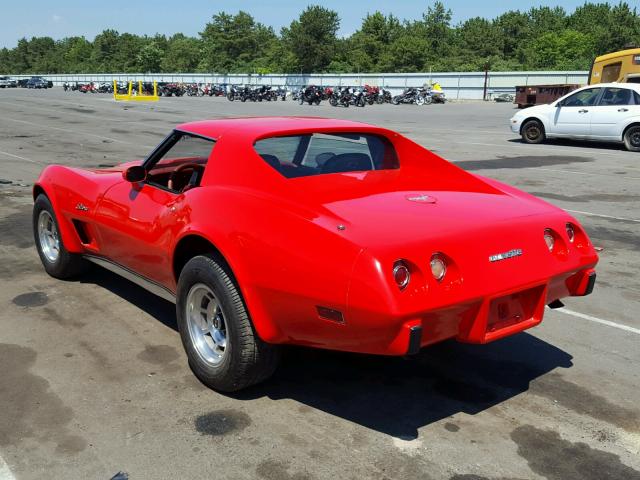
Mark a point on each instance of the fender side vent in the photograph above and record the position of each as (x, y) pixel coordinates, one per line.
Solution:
(330, 314)
(82, 231)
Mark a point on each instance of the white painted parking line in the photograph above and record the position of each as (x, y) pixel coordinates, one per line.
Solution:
(20, 158)
(601, 321)
(589, 174)
(602, 215)
(5, 471)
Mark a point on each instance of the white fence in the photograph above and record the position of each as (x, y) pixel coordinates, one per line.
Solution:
(467, 85)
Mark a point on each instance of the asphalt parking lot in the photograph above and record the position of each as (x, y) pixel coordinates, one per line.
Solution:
(93, 378)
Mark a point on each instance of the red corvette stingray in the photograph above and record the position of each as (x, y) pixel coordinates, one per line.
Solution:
(317, 232)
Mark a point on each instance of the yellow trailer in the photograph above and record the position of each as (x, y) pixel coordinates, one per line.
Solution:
(622, 66)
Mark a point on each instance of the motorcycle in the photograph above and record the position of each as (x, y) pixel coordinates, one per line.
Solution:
(341, 96)
(358, 97)
(410, 95)
(310, 94)
(371, 94)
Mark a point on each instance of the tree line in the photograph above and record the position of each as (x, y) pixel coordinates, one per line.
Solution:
(542, 38)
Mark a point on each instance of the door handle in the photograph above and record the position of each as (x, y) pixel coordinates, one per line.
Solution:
(583, 111)
(623, 109)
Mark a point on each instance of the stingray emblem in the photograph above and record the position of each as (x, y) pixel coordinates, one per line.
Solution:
(421, 198)
(516, 252)
(82, 207)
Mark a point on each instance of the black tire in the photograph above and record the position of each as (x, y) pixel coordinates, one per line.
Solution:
(632, 138)
(247, 360)
(395, 100)
(532, 132)
(67, 265)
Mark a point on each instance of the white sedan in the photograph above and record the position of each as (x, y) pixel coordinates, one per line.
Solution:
(606, 112)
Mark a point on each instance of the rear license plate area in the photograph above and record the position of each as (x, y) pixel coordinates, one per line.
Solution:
(514, 308)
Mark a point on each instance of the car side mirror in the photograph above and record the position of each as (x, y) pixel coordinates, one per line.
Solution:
(134, 174)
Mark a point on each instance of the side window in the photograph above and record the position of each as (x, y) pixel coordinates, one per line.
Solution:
(636, 97)
(583, 98)
(186, 149)
(616, 96)
(182, 164)
(611, 73)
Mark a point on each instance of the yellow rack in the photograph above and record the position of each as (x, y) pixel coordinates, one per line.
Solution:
(138, 96)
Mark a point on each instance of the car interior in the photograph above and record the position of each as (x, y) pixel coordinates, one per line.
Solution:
(178, 164)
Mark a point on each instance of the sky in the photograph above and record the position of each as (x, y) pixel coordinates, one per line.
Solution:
(64, 18)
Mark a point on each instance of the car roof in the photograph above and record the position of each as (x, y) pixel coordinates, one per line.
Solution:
(633, 86)
(255, 127)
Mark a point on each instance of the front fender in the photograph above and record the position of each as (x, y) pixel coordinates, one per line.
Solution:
(47, 183)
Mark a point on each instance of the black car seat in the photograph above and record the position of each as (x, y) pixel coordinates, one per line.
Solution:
(347, 162)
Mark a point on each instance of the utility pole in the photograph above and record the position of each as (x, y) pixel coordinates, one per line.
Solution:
(486, 77)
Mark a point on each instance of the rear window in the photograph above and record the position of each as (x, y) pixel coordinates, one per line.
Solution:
(321, 153)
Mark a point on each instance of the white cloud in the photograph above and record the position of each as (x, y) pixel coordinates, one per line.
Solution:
(56, 18)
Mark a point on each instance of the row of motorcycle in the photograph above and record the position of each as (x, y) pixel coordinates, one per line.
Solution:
(164, 89)
(343, 96)
(367, 95)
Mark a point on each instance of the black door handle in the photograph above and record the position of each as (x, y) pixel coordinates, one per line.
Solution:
(583, 111)
(623, 109)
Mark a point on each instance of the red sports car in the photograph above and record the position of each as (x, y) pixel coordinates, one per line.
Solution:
(311, 231)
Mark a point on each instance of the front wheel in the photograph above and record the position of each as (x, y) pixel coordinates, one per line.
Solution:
(395, 100)
(57, 261)
(223, 349)
(420, 101)
(632, 138)
(533, 132)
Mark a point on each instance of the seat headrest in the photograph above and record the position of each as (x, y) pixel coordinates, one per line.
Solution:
(347, 162)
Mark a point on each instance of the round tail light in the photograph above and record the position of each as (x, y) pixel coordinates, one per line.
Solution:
(571, 233)
(549, 239)
(401, 274)
(438, 267)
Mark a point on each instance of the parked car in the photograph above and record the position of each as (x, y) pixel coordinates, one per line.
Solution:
(22, 83)
(37, 82)
(317, 232)
(607, 112)
(7, 82)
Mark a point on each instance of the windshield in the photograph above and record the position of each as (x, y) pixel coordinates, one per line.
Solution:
(322, 153)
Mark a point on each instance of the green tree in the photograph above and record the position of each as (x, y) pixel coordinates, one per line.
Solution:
(235, 43)
(149, 58)
(312, 38)
(182, 55)
(567, 50)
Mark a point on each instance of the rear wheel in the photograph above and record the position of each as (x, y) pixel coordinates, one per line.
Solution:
(533, 132)
(395, 100)
(57, 261)
(223, 349)
(632, 138)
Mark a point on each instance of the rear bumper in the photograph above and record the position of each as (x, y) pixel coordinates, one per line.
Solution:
(492, 317)
(472, 320)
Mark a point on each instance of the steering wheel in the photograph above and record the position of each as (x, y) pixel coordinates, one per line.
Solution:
(197, 171)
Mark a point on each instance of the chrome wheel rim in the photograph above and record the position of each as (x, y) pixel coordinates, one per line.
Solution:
(206, 323)
(48, 236)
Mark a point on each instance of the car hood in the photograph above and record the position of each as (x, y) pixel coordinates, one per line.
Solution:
(536, 109)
